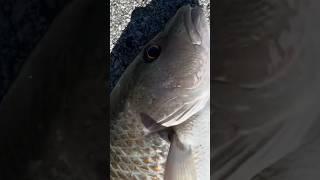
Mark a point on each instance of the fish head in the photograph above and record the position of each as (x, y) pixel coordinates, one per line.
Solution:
(171, 76)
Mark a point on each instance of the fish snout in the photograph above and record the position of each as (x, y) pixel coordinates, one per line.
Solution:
(196, 24)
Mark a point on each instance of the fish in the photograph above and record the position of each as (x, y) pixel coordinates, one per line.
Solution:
(53, 118)
(266, 84)
(160, 107)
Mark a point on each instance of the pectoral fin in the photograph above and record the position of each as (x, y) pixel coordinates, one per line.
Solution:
(180, 164)
(150, 124)
(153, 127)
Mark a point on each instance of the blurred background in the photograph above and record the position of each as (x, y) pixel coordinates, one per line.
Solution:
(22, 25)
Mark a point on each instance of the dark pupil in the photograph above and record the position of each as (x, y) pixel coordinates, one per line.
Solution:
(153, 52)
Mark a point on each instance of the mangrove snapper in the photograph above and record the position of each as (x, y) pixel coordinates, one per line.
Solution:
(160, 123)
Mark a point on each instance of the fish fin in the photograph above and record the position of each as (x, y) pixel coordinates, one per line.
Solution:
(166, 135)
(180, 164)
(153, 127)
(150, 124)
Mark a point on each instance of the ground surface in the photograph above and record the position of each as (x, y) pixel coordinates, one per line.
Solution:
(22, 26)
(133, 23)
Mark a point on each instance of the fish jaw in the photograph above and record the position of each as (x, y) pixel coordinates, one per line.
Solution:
(144, 87)
(193, 21)
(175, 94)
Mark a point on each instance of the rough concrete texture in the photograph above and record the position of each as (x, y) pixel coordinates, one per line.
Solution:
(134, 23)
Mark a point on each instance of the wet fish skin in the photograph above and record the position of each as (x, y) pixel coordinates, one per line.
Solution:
(169, 91)
(196, 132)
(260, 118)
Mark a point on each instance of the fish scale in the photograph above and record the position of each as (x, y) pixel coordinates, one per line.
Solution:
(154, 99)
(132, 155)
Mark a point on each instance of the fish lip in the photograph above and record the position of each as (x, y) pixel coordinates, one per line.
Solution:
(197, 15)
(194, 21)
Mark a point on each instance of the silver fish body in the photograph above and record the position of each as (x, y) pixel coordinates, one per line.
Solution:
(266, 88)
(156, 105)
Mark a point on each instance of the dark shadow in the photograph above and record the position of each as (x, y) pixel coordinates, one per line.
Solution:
(145, 23)
(37, 144)
(22, 25)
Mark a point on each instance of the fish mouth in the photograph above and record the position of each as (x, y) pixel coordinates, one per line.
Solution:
(195, 23)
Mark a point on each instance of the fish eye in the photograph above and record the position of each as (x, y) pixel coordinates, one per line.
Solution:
(152, 52)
